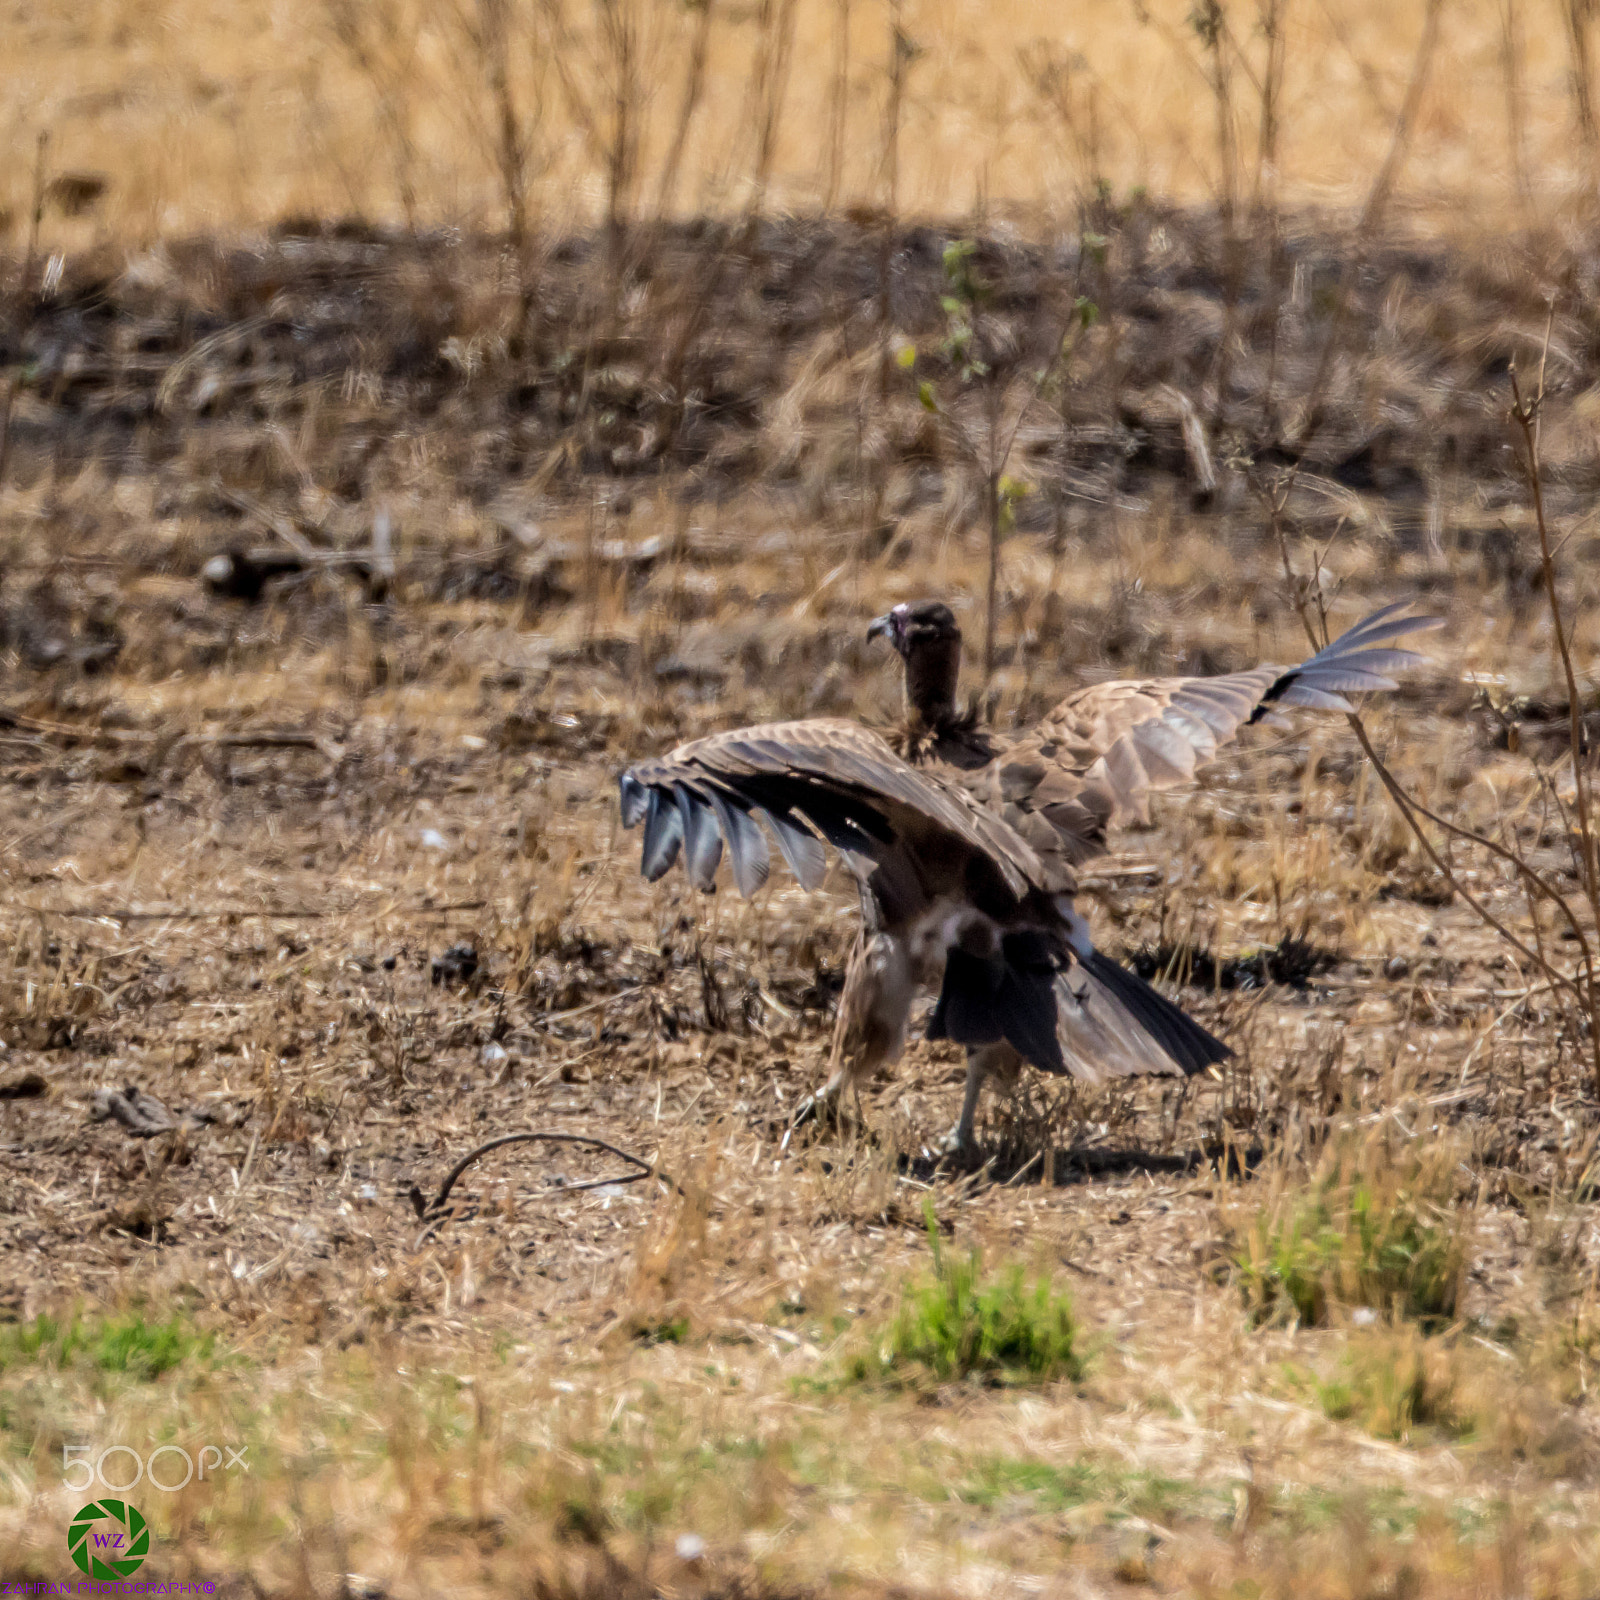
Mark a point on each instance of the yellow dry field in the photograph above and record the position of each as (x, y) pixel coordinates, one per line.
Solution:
(203, 116)
(559, 1392)
(347, 556)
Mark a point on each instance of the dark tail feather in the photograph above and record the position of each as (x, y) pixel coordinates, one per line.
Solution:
(966, 1012)
(1175, 1031)
(1015, 996)
(985, 1001)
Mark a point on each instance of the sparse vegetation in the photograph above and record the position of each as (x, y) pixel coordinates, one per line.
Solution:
(410, 412)
(1371, 1231)
(420, 113)
(127, 1344)
(966, 1321)
(1395, 1383)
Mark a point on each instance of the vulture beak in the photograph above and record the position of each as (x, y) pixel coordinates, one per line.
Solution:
(884, 628)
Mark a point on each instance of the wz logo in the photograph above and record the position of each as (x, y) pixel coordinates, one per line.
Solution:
(108, 1539)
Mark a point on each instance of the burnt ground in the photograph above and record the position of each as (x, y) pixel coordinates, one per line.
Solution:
(342, 574)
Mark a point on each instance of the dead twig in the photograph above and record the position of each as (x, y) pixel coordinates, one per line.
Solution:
(1583, 983)
(141, 1114)
(434, 1213)
(262, 739)
(222, 913)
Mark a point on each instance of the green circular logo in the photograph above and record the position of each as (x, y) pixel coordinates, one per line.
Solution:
(108, 1539)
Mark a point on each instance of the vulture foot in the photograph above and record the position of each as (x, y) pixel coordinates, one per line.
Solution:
(821, 1110)
(961, 1149)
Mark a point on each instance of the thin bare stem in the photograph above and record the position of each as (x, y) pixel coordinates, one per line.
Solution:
(1525, 417)
(512, 147)
(694, 85)
(838, 103)
(1411, 808)
(770, 82)
(1511, 57)
(383, 50)
(1273, 19)
(1576, 15)
(902, 52)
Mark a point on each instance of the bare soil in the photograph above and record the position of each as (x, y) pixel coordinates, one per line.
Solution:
(488, 530)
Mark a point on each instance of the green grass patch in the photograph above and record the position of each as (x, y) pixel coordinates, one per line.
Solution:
(996, 1482)
(1371, 1228)
(1386, 1513)
(1109, 1494)
(127, 1344)
(662, 1330)
(1393, 1384)
(966, 1322)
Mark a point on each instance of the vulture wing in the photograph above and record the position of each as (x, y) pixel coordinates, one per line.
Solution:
(912, 835)
(909, 833)
(1105, 749)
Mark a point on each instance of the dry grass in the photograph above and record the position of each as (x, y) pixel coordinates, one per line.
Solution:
(201, 116)
(530, 511)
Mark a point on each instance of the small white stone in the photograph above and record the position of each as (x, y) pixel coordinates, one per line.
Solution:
(690, 1547)
(1364, 1317)
(432, 839)
(493, 1054)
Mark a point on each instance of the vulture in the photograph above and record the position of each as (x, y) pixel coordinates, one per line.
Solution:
(965, 843)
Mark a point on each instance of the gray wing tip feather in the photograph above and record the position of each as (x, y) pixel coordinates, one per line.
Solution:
(702, 839)
(1355, 662)
(699, 819)
(663, 834)
(1376, 629)
(634, 799)
(1310, 698)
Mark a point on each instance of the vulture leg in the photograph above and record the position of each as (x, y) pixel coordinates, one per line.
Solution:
(998, 1060)
(871, 1026)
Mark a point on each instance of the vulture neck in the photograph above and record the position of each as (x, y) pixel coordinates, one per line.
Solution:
(931, 673)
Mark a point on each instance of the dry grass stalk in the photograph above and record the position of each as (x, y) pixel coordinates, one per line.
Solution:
(1576, 17)
(838, 105)
(689, 101)
(1512, 54)
(25, 293)
(489, 30)
(769, 81)
(381, 41)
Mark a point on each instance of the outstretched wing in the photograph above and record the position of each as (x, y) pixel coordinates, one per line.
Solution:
(1130, 738)
(908, 833)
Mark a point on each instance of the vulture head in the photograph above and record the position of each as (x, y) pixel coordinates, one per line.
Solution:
(929, 642)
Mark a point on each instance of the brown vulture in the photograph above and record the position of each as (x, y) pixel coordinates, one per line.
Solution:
(965, 842)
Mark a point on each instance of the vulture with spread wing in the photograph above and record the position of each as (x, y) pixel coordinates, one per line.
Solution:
(965, 842)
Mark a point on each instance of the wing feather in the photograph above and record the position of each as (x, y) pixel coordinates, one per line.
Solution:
(801, 850)
(702, 843)
(663, 833)
(747, 844)
(829, 779)
(1139, 736)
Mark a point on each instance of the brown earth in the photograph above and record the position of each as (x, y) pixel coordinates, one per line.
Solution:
(488, 532)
